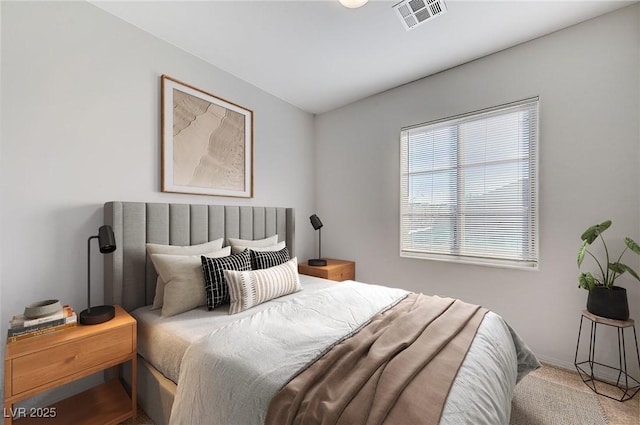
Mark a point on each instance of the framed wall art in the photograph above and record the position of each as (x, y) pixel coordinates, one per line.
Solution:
(207, 143)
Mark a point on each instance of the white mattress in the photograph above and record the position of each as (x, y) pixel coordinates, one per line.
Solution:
(162, 341)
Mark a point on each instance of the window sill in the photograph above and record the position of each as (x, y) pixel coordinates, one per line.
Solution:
(489, 262)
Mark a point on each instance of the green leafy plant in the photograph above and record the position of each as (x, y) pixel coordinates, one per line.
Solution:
(613, 270)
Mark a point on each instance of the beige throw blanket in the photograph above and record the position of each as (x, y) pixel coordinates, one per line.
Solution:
(397, 369)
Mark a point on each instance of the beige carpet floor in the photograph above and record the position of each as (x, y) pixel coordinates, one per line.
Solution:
(615, 412)
(537, 401)
(552, 396)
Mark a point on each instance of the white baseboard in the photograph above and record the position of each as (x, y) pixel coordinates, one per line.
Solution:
(557, 363)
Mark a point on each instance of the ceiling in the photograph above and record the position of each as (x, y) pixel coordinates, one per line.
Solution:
(319, 55)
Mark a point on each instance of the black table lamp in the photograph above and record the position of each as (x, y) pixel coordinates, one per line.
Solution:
(102, 313)
(317, 225)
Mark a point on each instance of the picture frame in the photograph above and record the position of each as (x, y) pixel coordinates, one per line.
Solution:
(207, 142)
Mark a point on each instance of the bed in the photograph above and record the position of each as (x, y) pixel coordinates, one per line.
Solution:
(199, 366)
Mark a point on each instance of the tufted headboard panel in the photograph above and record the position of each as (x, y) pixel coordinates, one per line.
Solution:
(129, 276)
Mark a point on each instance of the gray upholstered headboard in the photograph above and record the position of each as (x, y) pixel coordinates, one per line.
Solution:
(129, 276)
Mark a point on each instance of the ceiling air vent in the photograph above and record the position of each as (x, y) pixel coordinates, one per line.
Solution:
(412, 13)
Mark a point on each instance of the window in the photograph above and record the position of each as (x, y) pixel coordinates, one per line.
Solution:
(469, 187)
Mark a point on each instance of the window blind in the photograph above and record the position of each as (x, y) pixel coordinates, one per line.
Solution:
(469, 187)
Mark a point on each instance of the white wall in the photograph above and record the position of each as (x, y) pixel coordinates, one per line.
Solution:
(81, 114)
(588, 80)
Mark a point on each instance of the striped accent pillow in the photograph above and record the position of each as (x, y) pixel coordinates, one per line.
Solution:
(213, 270)
(265, 259)
(250, 288)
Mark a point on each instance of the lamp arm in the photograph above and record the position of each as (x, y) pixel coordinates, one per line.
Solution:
(89, 272)
(320, 243)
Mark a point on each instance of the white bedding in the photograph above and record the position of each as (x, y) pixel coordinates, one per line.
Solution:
(162, 341)
(481, 393)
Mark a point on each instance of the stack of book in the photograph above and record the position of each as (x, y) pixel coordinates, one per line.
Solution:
(22, 327)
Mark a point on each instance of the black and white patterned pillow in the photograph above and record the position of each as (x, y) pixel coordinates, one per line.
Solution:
(266, 259)
(213, 270)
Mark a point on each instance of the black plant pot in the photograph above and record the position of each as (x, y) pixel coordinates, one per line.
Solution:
(611, 303)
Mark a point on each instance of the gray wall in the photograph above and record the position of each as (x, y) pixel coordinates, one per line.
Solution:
(588, 80)
(81, 114)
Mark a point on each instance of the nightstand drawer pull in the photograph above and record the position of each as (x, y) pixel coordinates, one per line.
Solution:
(76, 357)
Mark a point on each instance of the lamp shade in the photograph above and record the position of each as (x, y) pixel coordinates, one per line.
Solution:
(315, 222)
(106, 239)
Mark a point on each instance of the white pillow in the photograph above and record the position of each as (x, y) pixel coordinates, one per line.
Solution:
(184, 287)
(250, 288)
(200, 249)
(235, 249)
(248, 243)
(154, 248)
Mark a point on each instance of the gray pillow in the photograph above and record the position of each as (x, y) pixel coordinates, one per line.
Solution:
(184, 287)
(199, 249)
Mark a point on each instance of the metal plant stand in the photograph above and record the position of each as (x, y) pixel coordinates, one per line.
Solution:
(626, 385)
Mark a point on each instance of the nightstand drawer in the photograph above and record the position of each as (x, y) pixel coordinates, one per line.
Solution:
(42, 367)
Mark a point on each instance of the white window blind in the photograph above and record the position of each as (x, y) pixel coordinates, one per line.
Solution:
(469, 187)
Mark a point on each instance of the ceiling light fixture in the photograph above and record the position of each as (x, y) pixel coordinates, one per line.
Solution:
(353, 4)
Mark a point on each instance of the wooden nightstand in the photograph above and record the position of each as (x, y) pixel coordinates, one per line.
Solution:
(337, 270)
(42, 363)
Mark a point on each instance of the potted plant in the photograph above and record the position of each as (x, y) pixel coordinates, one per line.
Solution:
(605, 299)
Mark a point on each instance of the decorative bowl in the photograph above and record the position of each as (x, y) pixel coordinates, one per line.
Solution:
(42, 308)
